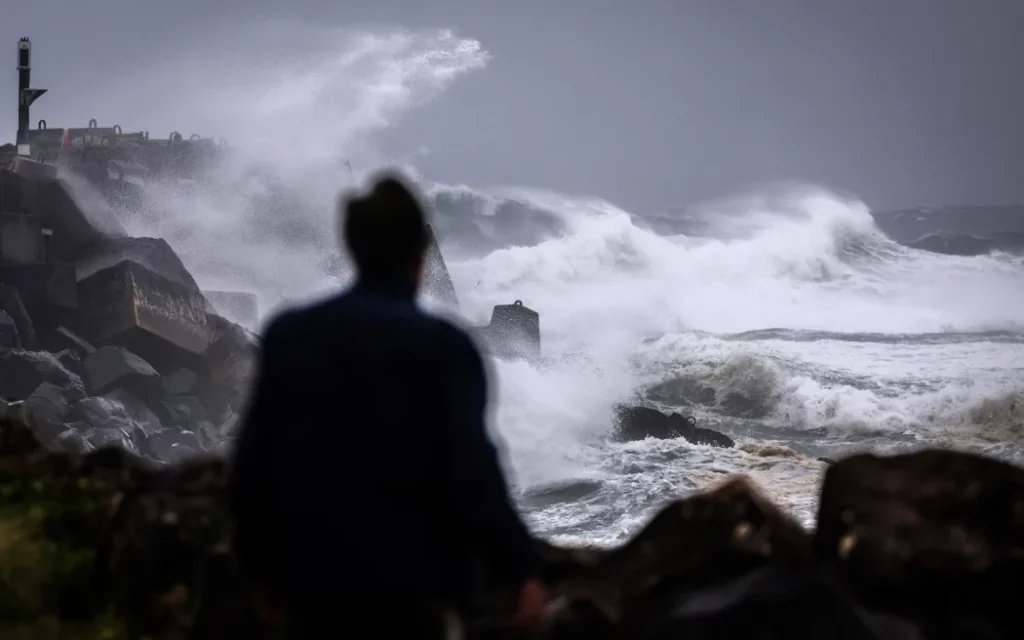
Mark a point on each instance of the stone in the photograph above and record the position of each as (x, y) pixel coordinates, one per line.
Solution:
(76, 213)
(437, 282)
(171, 445)
(927, 532)
(48, 407)
(12, 304)
(21, 372)
(227, 367)
(111, 367)
(117, 410)
(161, 320)
(186, 411)
(638, 422)
(71, 340)
(71, 361)
(154, 254)
(48, 291)
(21, 239)
(180, 382)
(514, 331)
(9, 338)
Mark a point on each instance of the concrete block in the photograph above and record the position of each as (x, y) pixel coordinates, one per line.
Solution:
(514, 330)
(42, 285)
(155, 317)
(21, 238)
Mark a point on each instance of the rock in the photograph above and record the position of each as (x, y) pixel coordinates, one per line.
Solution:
(76, 214)
(186, 411)
(48, 292)
(638, 423)
(171, 445)
(227, 367)
(9, 338)
(73, 440)
(12, 304)
(48, 408)
(21, 372)
(774, 603)
(180, 382)
(915, 546)
(73, 341)
(934, 535)
(70, 361)
(161, 320)
(117, 410)
(111, 367)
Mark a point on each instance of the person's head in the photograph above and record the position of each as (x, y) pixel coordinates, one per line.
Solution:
(385, 231)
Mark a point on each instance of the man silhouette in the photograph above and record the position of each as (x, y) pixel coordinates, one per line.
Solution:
(364, 485)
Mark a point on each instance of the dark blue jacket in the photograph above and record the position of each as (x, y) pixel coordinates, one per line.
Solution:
(363, 462)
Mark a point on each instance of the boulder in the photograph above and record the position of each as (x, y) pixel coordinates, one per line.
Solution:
(48, 407)
(12, 304)
(186, 411)
(9, 338)
(180, 382)
(21, 372)
(638, 422)
(934, 535)
(75, 212)
(155, 254)
(128, 305)
(436, 279)
(111, 367)
(227, 367)
(48, 291)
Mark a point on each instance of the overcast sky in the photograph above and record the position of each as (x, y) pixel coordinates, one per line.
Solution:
(649, 103)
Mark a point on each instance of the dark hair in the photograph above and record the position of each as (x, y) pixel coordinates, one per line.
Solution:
(386, 229)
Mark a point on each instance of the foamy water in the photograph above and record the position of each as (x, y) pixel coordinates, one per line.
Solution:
(818, 334)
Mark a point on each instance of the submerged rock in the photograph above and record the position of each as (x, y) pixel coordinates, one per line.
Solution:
(638, 423)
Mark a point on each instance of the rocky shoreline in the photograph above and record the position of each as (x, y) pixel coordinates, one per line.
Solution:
(107, 544)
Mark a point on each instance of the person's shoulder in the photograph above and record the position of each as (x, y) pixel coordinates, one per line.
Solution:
(448, 335)
(290, 322)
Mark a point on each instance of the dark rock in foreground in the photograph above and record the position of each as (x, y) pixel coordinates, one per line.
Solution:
(638, 423)
(924, 545)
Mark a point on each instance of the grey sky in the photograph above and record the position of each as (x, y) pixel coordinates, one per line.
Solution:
(649, 103)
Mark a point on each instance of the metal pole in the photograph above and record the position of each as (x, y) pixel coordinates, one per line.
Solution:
(26, 95)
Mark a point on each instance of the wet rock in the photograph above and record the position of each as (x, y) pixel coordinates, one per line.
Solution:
(111, 367)
(118, 410)
(160, 319)
(934, 535)
(186, 410)
(12, 304)
(227, 367)
(638, 423)
(65, 339)
(73, 440)
(9, 338)
(48, 408)
(71, 361)
(171, 445)
(774, 603)
(22, 371)
(180, 382)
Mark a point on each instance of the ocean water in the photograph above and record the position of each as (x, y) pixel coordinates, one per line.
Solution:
(818, 334)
